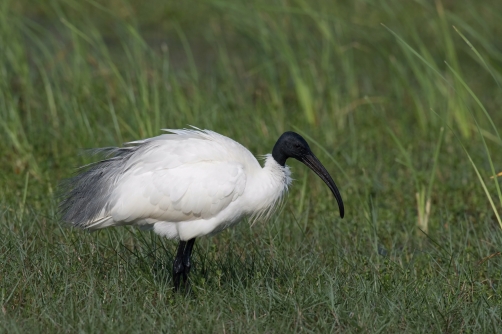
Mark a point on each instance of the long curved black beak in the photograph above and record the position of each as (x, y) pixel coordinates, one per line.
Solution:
(311, 161)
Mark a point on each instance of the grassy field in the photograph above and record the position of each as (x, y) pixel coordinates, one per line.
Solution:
(401, 101)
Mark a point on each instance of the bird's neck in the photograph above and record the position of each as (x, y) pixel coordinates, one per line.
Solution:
(278, 174)
(267, 187)
(278, 156)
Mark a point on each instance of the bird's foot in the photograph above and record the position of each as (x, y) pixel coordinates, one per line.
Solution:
(182, 264)
(181, 268)
(178, 270)
(177, 281)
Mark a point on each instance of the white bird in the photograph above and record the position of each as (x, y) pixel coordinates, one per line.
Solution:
(184, 185)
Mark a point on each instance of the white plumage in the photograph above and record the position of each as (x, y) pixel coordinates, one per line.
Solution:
(190, 183)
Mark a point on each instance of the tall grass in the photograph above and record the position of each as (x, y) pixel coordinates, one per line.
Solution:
(371, 85)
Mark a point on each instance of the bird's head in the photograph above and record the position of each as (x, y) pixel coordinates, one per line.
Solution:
(291, 145)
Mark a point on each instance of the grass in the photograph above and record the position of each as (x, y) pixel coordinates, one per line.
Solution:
(399, 113)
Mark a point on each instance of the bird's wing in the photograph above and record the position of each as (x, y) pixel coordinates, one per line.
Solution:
(184, 175)
(177, 181)
(187, 192)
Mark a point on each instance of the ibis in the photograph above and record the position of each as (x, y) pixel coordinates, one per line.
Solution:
(183, 185)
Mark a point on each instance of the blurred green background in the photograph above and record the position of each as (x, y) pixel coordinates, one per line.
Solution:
(401, 100)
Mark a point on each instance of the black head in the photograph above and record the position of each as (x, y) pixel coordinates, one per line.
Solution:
(292, 145)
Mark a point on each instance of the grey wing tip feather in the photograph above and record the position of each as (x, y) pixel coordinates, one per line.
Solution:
(100, 223)
(85, 196)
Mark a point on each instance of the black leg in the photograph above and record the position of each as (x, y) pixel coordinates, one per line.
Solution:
(182, 263)
(186, 259)
(178, 267)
